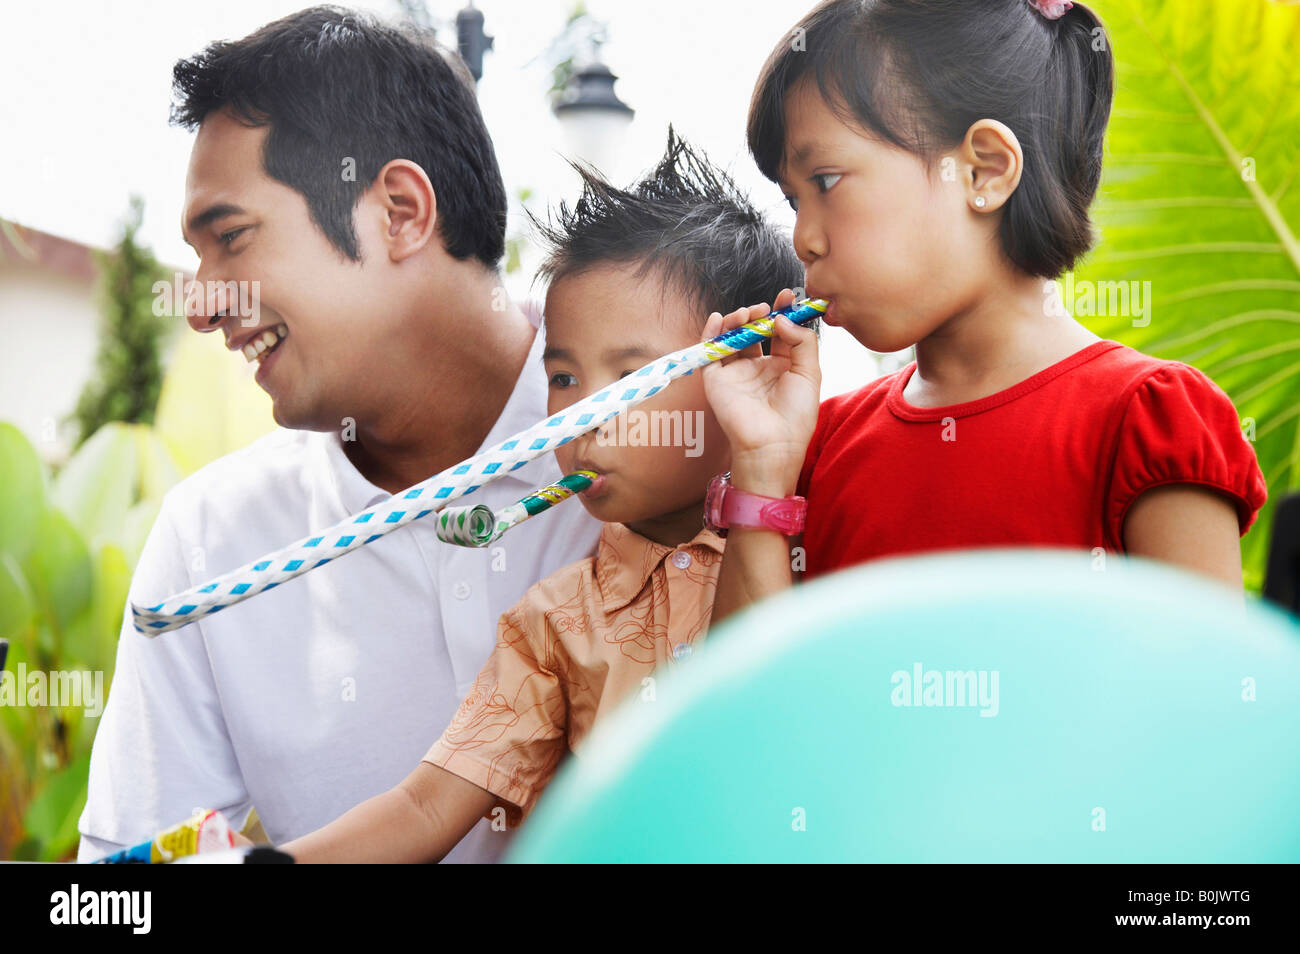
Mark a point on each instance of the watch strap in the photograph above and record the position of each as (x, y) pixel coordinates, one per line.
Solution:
(755, 511)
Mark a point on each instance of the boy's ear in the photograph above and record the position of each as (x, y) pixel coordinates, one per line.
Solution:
(410, 207)
(994, 161)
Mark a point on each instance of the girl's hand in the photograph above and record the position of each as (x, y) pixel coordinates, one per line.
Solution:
(766, 405)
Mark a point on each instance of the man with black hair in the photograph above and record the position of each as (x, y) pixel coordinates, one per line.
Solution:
(341, 169)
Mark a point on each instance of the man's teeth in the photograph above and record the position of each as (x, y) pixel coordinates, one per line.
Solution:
(264, 342)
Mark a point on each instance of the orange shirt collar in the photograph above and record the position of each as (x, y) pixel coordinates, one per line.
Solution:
(625, 560)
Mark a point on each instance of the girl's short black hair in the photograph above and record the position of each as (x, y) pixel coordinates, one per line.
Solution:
(334, 85)
(688, 221)
(919, 73)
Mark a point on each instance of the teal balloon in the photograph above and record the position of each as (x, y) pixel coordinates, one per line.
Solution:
(987, 706)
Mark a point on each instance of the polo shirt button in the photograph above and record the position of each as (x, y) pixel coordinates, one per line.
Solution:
(461, 590)
(681, 559)
(682, 650)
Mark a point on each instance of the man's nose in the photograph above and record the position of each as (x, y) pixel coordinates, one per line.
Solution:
(206, 304)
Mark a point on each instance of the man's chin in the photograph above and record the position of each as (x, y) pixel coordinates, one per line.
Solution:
(281, 418)
(295, 419)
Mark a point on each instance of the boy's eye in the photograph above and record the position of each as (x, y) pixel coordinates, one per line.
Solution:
(825, 175)
(555, 382)
(227, 237)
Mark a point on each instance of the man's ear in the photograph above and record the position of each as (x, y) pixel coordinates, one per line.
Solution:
(410, 208)
(994, 161)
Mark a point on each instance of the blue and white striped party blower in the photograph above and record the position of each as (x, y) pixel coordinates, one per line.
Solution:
(435, 493)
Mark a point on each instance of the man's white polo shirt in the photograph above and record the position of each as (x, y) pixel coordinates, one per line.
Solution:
(310, 698)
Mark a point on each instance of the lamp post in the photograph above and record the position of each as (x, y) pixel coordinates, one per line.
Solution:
(471, 41)
(593, 120)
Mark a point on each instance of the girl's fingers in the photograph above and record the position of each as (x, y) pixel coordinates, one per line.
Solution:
(712, 326)
(753, 313)
(799, 344)
(737, 318)
(785, 333)
(790, 334)
(784, 300)
(716, 325)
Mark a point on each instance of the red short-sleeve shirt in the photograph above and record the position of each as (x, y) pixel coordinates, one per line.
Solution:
(1056, 460)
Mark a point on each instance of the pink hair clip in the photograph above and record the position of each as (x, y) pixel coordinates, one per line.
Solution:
(1051, 9)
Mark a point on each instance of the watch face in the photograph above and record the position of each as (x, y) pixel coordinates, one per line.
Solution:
(713, 505)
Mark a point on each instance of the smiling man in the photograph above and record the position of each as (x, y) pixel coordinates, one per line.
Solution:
(343, 167)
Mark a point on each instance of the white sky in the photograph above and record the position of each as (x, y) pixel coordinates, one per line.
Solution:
(87, 86)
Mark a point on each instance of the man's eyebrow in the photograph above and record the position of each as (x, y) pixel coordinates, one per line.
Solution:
(212, 213)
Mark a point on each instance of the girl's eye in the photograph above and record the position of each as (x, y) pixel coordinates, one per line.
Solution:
(227, 237)
(561, 374)
(623, 375)
(825, 175)
(792, 202)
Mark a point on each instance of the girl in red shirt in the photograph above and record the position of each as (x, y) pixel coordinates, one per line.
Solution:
(941, 161)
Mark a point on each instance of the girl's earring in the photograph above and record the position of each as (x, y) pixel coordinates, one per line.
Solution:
(980, 201)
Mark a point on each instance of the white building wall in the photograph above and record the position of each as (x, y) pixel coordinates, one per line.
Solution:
(49, 326)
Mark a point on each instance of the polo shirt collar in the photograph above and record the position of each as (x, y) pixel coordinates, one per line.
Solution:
(625, 560)
(352, 492)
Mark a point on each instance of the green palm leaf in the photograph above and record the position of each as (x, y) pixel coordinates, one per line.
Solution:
(1201, 198)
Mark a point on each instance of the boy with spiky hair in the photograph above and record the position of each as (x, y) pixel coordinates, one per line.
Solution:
(632, 275)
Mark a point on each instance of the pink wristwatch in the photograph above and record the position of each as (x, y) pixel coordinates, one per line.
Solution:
(726, 506)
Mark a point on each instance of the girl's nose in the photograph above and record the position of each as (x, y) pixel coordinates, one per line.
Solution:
(809, 239)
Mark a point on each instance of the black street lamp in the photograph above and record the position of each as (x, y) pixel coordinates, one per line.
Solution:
(592, 117)
(471, 41)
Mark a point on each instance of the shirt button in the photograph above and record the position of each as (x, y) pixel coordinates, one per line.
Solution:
(681, 559)
(461, 590)
(681, 650)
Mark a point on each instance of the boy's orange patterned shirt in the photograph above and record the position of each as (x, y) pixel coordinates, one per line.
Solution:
(577, 645)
